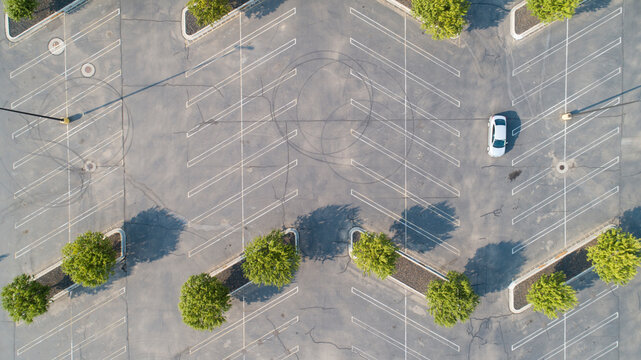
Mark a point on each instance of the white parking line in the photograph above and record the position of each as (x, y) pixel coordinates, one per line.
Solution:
(237, 166)
(402, 317)
(402, 161)
(402, 40)
(231, 139)
(95, 25)
(565, 190)
(573, 97)
(559, 135)
(65, 74)
(261, 339)
(263, 180)
(249, 220)
(397, 344)
(581, 336)
(362, 353)
(431, 237)
(116, 353)
(594, 143)
(237, 323)
(604, 351)
(442, 94)
(290, 352)
(236, 105)
(68, 322)
(235, 76)
(426, 145)
(561, 45)
(400, 190)
(571, 216)
(584, 60)
(92, 210)
(403, 101)
(90, 339)
(531, 181)
(558, 321)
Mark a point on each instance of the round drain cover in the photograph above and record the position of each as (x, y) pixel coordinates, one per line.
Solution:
(90, 166)
(562, 167)
(87, 70)
(56, 46)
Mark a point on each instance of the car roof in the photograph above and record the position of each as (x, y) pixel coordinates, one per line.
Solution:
(500, 133)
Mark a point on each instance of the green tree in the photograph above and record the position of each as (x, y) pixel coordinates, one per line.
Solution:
(208, 11)
(24, 298)
(551, 294)
(442, 18)
(616, 256)
(375, 253)
(552, 10)
(89, 259)
(20, 9)
(452, 300)
(269, 261)
(203, 302)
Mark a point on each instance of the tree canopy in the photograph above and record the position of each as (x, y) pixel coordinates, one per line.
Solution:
(550, 294)
(616, 256)
(208, 11)
(375, 253)
(20, 9)
(203, 302)
(269, 261)
(552, 10)
(25, 298)
(89, 259)
(442, 19)
(451, 301)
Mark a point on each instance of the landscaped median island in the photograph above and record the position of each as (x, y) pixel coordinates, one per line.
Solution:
(531, 15)
(88, 261)
(450, 298)
(202, 16)
(23, 16)
(270, 260)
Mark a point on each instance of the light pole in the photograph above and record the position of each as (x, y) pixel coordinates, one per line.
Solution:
(64, 120)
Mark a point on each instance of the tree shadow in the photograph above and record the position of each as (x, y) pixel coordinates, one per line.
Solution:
(584, 281)
(630, 221)
(484, 14)
(592, 5)
(426, 227)
(513, 122)
(263, 8)
(320, 230)
(493, 267)
(151, 235)
(257, 293)
(3, 256)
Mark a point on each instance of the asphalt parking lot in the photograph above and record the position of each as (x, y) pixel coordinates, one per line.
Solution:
(320, 116)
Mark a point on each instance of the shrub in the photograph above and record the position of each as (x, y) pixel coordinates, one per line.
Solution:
(551, 294)
(20, 9)
(269, 261)
(89, 259)
(451, 301)
(442, 18)
(552, 10)
(375, 253)
(208, 11)
(203, 302)
(615, 256)
(24, 298)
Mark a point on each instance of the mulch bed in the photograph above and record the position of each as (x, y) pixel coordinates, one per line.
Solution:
(191, 25)
(45, 8)
(56, 280)
(412, 275)
(115, 243)
(290, 239)
(233, 277)
(572, 265)
(524, 20)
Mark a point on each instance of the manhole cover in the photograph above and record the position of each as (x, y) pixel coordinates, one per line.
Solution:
(87, 70)
(56, 46)
(562, 167)
(90, 166)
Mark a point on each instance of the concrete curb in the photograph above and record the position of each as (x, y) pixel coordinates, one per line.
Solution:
(556, 258)
(213, 26)
(513, 24)
(40, 24)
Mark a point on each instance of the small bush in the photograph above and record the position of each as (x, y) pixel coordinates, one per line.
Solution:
(208, 11)
(443, 19)
(552, 10)
(20, 9)
(269, 261)
(616, 256)
(451, 301)
(551, 294)
(24, 298)
(203, 302)
(89, 260)
(375, 253)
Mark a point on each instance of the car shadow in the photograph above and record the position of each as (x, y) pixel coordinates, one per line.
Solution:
(423, 220)
(513, 122)
(493, 267)
(484, 14)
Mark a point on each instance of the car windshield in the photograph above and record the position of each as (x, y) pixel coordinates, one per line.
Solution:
(499, 121)
(498, 143)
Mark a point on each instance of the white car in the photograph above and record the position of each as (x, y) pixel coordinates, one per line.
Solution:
(496, 135)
